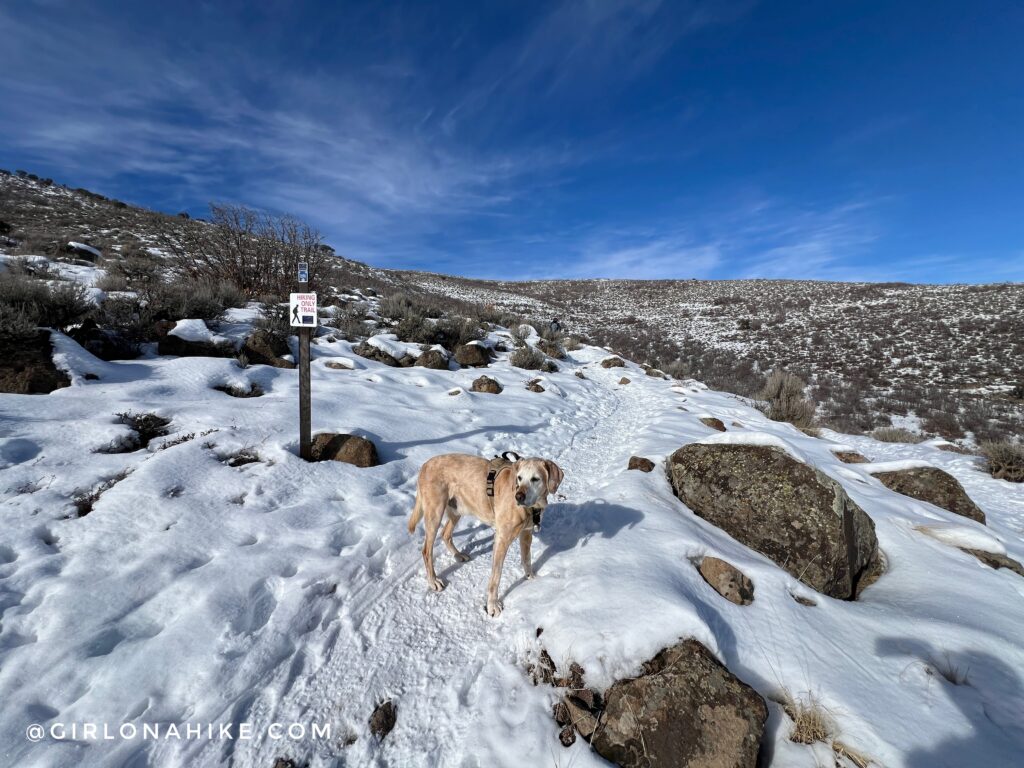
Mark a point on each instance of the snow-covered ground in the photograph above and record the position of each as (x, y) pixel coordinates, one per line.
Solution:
(278, 591)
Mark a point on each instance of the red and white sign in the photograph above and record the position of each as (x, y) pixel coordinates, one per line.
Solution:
(302, 310)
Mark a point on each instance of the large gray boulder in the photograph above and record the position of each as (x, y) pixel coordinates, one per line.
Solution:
(788, 511)
(933, 485)
(685, 709)
(472, 355)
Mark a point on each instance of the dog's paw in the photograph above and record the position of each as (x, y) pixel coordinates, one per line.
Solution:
(493, 608)
(531, 576)
(436, 584)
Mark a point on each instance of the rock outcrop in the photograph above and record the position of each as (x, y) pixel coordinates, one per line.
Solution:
(933, 485)
(472, 355)
(788, 511)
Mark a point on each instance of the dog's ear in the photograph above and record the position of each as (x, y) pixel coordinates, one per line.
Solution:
(554, 475)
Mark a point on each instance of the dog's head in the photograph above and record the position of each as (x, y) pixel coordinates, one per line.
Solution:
(534, 480)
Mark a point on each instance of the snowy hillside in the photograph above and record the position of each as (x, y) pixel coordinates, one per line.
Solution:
(214, 577)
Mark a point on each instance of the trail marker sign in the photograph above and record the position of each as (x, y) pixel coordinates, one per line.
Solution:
(302, 310)
(303, 272)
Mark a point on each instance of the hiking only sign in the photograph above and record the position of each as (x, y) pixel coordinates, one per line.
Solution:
(302, 310)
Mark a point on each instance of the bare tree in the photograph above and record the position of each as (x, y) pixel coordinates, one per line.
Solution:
(258, 252)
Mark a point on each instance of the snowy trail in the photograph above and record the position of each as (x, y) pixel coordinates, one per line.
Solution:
(433, 653)
(286, 592)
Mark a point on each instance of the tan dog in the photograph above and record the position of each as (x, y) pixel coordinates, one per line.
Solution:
(456, 484)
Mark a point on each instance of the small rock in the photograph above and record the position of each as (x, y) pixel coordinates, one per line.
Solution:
(567, 736)
(579, 375)
(486, 384)
(376, 354)
(639, 462)
(561, 713)
(472, 355)
(992, 560)
(581, 718)
(336, 366)
(711, 421)
(803, 600)
(534, 385)
(613, 362)
(434, 359)
(851, 457)
(548, 366)
(383, 719)
(933, 485)
(351, 449)
(623, 380)
(727, 580)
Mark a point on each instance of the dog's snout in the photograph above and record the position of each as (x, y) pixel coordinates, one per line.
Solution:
(520, 497)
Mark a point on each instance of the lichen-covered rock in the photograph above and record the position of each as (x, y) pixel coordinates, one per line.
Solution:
(933, 485)
(788, 511)
(612, 362)
(486, 384)
(623, 380)
(685, 709)
(351, 449)
(433, 358)
(27, 368)
(997, 561)
(370, 352)
(383, 719)
(262, 348)
(472, 355)
(727, 580)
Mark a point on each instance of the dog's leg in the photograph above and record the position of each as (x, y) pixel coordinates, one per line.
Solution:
(502, 540)
(431, 522)
(446, 537)
(525, 540)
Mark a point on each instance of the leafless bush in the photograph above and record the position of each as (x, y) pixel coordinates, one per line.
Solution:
(258, 252)
(1004, 460)
(528, 357)
(784, 400)
(896, 435)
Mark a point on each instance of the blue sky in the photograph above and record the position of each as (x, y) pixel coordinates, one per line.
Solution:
(828, 140)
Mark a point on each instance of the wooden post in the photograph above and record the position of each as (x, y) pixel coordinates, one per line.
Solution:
(305, 406)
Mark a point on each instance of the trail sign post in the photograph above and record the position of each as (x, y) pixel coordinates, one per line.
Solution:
(302, 315)
(303, 272)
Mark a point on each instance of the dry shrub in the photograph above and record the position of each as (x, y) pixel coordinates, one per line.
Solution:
(784, 400)
(1004, 460)
(528, 357)
(896, 435)
(811, 722)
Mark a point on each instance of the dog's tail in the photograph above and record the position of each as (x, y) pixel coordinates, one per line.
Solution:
(417, 513)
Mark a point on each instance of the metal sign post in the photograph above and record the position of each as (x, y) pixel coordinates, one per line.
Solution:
(302, 315)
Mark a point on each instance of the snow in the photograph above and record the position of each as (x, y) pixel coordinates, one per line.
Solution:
(763, 439)
(87, 248)
(196, 331)
(389, 343)
(281, 591)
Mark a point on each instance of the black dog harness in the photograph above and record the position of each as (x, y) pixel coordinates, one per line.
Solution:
(494, 468)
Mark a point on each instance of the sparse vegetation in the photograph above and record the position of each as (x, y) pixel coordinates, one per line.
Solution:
(896, 435)
(1004, 460)
(528, 358)
(783, 399)
(811, 723)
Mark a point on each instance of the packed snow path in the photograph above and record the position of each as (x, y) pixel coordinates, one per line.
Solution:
(278, 591)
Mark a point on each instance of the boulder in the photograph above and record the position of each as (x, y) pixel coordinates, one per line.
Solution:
(351, 449)
(850, 457)
(486, 384)
(263, 348)
(623, 380)
(551, 349)
(933, 485)
(727, 580)
(534, 385)
(613, 362)
(685, 709)
(376, 354)
(27, 368)
(654, 372)
(711, 421)
(789, 511)
(579, 375)
(472, 355)
(436, 359)
(639, 462)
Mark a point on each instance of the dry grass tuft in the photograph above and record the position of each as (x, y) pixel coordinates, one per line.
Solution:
(854, 756)
(811, 723)
(896, 435)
